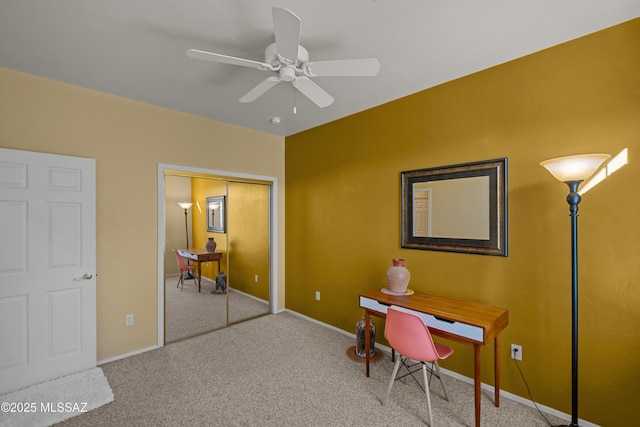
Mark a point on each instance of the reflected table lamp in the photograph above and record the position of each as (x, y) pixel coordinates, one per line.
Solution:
(186, 207)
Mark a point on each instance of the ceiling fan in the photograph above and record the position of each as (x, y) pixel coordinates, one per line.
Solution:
(290, 62)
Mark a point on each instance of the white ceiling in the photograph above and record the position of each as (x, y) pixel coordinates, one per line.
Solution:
(136, 48)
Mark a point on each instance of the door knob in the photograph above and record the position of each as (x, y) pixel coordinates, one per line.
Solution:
(85, 276)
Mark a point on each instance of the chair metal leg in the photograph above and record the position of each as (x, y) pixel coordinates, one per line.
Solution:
(446, 397)
(393, 378)
(426, 391)
(180, 280)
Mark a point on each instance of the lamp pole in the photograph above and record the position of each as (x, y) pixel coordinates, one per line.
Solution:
(186, 228)
(186, 207)
(574, 199)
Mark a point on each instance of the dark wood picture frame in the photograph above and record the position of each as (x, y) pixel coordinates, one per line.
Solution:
(496, 242)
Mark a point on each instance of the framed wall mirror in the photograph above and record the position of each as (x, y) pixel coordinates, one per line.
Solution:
(456, 208)
(215, 214)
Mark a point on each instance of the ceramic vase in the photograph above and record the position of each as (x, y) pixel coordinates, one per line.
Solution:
(398, 276)
(210, 245)
(360, 338)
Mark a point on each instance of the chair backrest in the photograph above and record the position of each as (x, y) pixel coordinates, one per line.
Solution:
(181, 263)
(409, 336)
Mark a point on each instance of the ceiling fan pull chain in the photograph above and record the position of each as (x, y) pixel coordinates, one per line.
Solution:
(294, 99)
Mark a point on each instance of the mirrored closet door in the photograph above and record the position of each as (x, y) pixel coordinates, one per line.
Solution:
(221, 285)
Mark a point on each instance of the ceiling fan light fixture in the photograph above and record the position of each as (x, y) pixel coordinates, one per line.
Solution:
(287, 74)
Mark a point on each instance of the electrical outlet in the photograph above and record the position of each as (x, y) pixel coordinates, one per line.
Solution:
(516, 351)
(128, 320)
(256, 278)
(317, 295)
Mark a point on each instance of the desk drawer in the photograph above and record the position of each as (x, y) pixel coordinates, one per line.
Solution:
(374, 305)
(471, 332)
(185, 254)
(208, 257)
(456, 328)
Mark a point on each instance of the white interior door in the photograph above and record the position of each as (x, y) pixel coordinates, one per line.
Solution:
(47, 267)
(421, 214)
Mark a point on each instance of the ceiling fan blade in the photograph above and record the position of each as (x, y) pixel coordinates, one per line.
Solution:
(225, 59)
(287, 29)
(312, 91)
(260, 89)
(343, 68)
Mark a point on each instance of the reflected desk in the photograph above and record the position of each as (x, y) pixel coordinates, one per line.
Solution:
(457, 320)
(199, 256)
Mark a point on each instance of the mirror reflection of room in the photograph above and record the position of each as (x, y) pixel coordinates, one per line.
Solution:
(441, 208)
(228, 284)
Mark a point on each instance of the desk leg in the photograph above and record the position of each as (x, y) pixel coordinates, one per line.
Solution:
(199, 275)
(477, 379)
(367, 340)
(496, 369)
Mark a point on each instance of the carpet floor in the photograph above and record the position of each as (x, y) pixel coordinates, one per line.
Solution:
(189, 312)
(277, 370)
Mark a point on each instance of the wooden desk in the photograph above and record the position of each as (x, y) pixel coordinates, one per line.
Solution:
(199, 256)
(461, 321)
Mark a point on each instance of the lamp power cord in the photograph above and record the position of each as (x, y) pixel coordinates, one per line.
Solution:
(528, 389)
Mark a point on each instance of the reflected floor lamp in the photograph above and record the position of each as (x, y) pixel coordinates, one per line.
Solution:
(186, 207)
(572, 170)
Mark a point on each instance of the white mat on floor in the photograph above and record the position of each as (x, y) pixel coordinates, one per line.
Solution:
(56, 400)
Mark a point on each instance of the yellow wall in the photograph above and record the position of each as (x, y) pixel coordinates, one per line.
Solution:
(249, 238)
(343, 214)
(128, 139)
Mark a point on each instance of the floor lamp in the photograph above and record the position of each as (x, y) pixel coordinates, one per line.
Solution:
(572, 170)
(186, 207)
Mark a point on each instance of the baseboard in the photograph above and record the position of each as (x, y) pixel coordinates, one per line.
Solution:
(455, 375)
(124, 356)
(255, 298)
(519, 399)
(333, 328)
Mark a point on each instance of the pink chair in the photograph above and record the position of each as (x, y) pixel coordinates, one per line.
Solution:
(184, 268)
(408, 336)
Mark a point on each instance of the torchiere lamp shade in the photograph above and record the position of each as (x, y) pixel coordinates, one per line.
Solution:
(574, 168)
